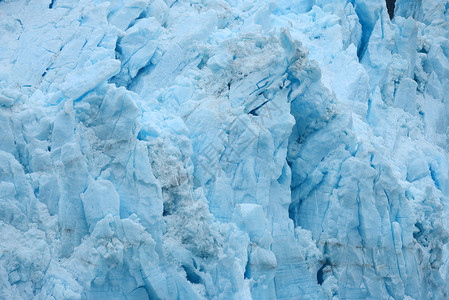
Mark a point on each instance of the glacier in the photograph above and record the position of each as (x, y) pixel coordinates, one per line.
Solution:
(224, 149)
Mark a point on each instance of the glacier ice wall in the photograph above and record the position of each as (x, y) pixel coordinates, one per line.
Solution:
(171, 149)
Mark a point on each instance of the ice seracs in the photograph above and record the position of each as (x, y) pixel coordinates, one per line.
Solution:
(224, 149)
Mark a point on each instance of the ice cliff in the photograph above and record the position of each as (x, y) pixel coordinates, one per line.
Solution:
(224, 149)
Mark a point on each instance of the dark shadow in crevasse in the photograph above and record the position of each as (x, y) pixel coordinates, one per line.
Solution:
(322, 272)
(390, 8)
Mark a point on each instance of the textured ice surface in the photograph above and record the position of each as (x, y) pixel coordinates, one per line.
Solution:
(163, 149)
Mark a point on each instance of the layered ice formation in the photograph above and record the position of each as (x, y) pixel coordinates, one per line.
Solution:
(224, 149)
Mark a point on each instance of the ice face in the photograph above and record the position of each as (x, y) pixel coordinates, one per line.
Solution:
(224, 150)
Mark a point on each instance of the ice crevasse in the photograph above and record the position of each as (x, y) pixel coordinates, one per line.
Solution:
(173, 149)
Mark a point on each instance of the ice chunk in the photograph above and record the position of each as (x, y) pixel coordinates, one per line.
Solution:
(99, 200)
(251, 218)
(82, 80)
(405, 96)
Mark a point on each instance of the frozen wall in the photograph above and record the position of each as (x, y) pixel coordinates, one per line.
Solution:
(216, 149)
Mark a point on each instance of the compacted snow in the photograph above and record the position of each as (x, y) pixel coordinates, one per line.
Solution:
(173, 149)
